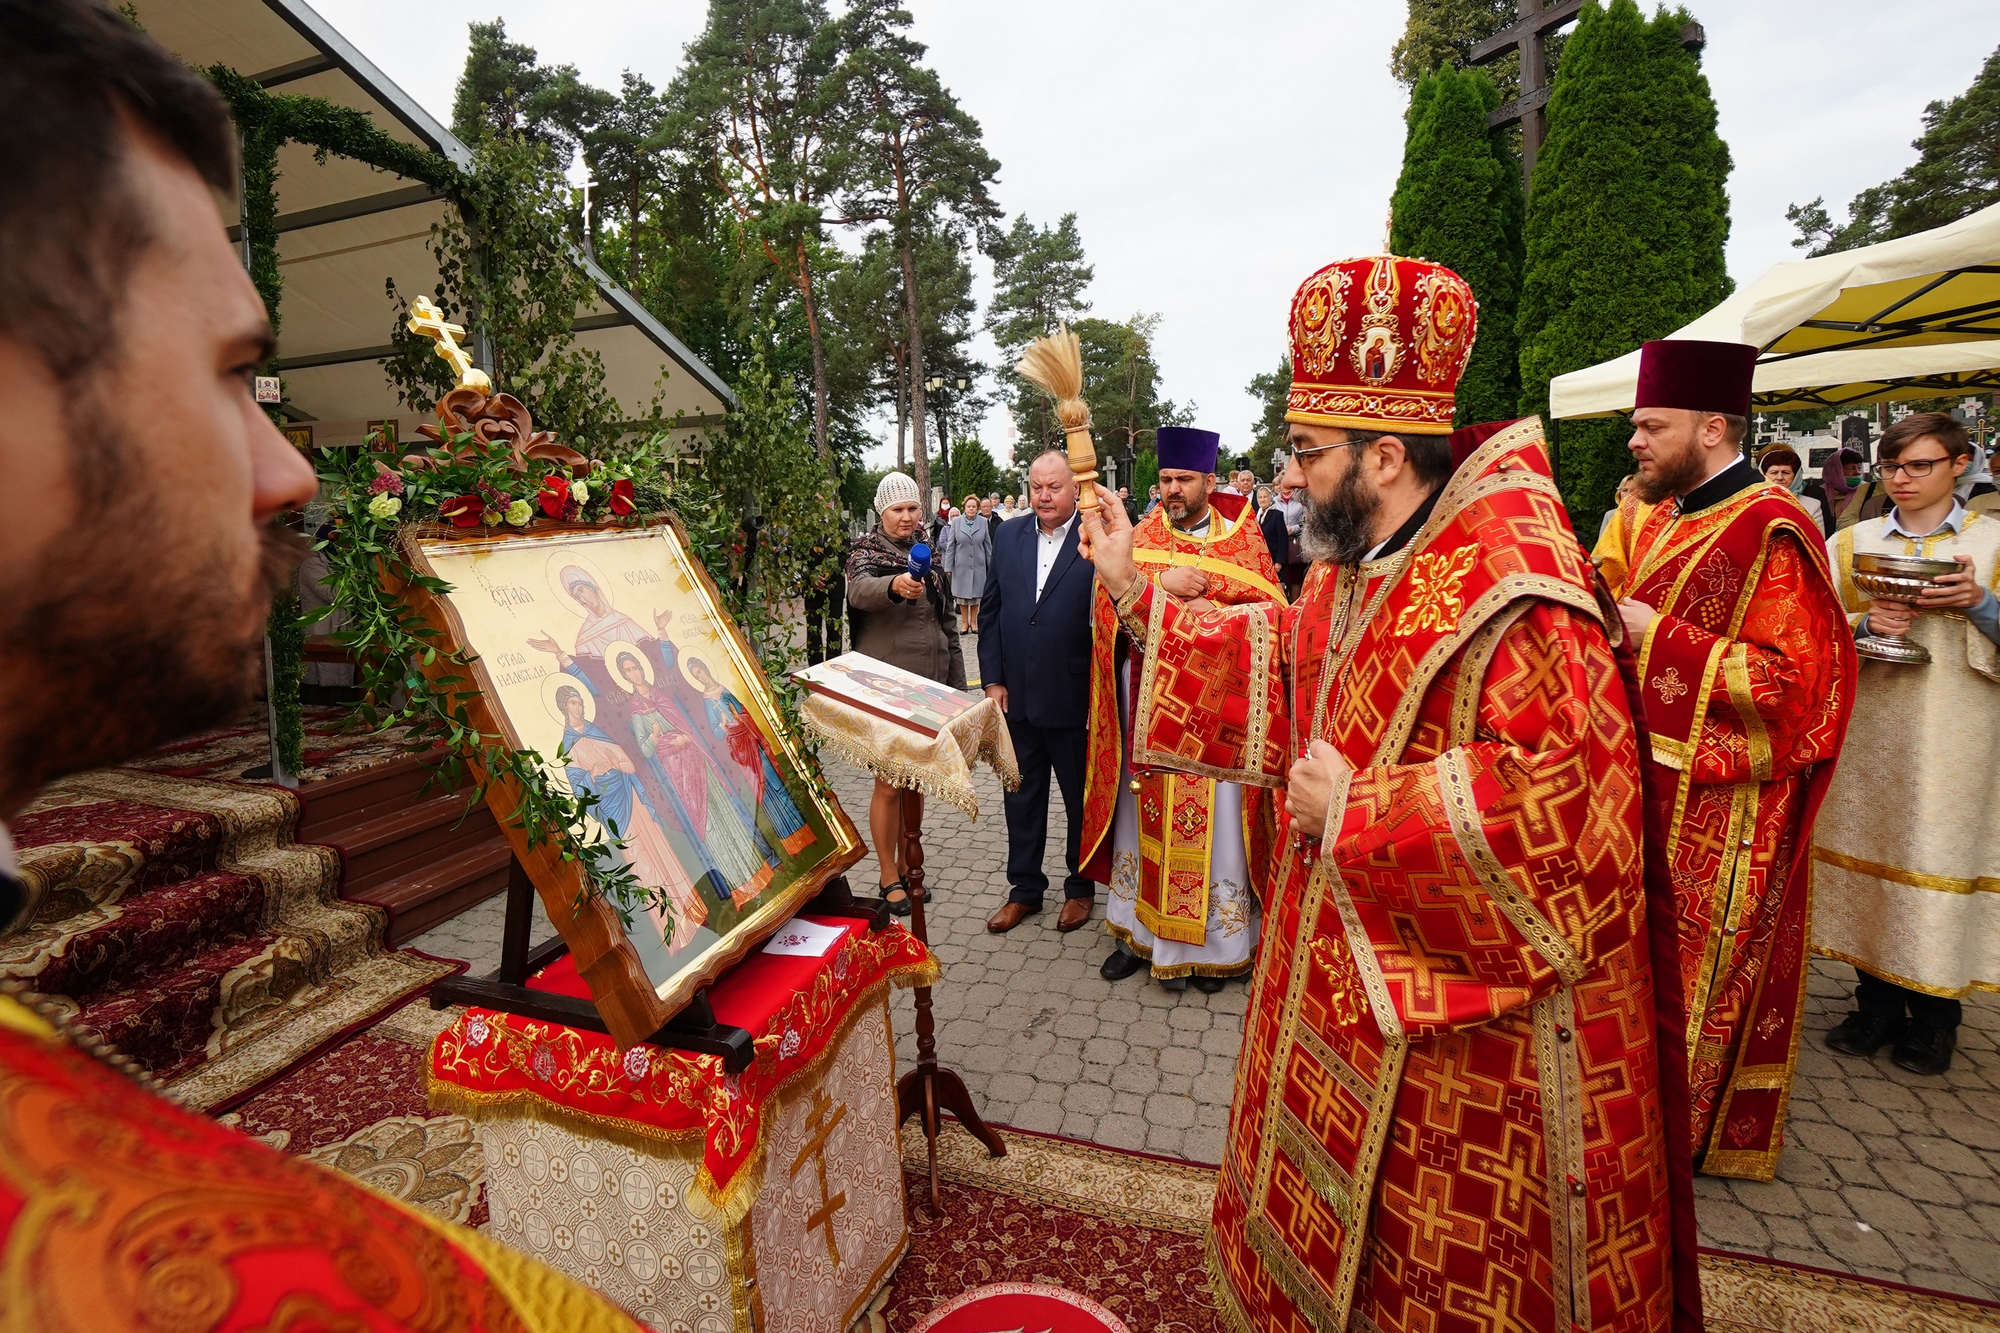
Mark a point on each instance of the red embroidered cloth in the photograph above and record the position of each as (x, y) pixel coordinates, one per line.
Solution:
(490, 1064)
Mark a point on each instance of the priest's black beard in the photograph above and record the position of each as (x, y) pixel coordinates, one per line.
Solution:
(1342, 529)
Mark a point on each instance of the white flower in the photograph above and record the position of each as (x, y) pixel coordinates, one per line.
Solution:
(491, 518)
(519, 513)
(579, 492)
(475, 1030)
(384, 507)
(789, 1047)
(637, 1063)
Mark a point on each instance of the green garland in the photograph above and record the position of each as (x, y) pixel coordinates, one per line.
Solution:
(472, 485)
(268, 121)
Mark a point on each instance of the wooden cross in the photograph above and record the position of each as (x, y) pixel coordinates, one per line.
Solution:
(1529, 33)
(426, 320)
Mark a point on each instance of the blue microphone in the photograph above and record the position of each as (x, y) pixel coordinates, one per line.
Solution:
(920, 560)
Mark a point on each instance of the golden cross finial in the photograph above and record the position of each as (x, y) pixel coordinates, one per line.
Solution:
(428, 321)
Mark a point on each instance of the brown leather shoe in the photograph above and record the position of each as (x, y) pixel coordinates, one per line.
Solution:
(1075, 913)
(1010, 915)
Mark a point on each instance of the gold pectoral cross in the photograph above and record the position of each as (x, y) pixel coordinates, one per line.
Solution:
(427, 321)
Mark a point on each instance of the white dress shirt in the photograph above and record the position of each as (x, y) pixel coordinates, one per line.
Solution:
(1047, 546)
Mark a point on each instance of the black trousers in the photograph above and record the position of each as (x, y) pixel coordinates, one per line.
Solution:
(1885, 999)
(1039, 751)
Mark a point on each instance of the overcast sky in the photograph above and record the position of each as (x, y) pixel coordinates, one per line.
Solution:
(1216, 154)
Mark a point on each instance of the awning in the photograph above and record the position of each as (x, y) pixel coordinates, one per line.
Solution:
(344, 228)
(1916, 317)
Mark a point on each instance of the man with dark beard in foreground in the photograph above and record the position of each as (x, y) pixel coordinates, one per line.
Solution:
(137, 562)
(1448, 1114)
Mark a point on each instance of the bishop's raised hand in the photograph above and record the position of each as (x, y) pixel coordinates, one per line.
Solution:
(1108, 533)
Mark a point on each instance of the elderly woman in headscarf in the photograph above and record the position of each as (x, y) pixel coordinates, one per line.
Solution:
(1780, 466)
(902, 619)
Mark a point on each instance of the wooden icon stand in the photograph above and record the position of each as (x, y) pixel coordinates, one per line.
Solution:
(930, 1088)
(692, 1029)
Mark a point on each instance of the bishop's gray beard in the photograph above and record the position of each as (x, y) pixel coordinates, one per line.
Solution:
(1342, 529)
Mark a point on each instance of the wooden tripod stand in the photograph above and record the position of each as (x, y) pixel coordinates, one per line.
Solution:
(930, 1088)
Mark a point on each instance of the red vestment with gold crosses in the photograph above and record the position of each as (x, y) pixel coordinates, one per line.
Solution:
(1175, 812)
(1447, 1113)
(1746, 682)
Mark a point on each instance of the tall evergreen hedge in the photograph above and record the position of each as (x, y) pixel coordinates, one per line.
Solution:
(1458, 203)
(1626, 222)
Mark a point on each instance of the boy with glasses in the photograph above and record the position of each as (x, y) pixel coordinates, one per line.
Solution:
(1908, 866)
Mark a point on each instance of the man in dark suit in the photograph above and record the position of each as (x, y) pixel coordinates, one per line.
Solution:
(1034, 659)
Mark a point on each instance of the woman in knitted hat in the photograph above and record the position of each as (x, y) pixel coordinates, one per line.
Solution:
(899, 618)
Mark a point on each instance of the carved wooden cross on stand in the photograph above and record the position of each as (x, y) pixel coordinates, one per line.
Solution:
(428, 321)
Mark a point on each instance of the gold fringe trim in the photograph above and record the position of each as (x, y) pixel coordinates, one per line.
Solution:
(908, 777)
(1224, 970)
(1225, 1295)
(726, 1208)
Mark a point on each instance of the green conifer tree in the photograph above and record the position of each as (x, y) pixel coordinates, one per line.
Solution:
(1626, 223)
(1458, 203)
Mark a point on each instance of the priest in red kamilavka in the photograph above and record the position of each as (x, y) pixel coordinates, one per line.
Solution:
(1746, 671)
(1185, 857)
(1448, 1113)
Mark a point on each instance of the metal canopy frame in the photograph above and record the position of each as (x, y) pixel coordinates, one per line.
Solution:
(344, 228)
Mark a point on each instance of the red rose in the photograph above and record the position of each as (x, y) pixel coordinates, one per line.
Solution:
(464, 512)
(621, 498)
(555, 494)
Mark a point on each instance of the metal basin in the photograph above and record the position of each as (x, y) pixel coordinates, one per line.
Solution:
(1900, 578)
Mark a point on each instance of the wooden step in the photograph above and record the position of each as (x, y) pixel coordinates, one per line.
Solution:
(442, 889)
(338, 803)
(409, 837)
(413, 850)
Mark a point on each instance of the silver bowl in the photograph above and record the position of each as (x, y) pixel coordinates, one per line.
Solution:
(1901, 578)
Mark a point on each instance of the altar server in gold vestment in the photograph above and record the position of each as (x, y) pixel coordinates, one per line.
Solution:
(1908, 847)
(1185, 857)
(1745, 677)
(1447, 1114)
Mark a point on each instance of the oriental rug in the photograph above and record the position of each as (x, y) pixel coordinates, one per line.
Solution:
(181, 924)
(1125, 1229)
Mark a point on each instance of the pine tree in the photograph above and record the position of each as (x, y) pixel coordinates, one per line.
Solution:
(1957, 172)
(1458, 203)
(1273, 390)
(1627, 221)
(1038, 278)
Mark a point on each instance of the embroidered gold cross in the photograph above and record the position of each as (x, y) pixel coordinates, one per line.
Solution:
(1349, 999)
(1670, 685)
(1434, 591)
(820, 1126)
(426, 320)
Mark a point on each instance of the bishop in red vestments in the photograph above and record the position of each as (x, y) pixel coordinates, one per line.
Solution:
(1746, 674)
(1447, 1113)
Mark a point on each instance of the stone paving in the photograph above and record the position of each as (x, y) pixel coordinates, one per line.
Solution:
(1887, 1174)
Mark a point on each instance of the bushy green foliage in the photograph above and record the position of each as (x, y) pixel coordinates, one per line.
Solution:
(1626, 225)
(1267, 433)
(973, 470)
(1957, 172)
(1458, 203)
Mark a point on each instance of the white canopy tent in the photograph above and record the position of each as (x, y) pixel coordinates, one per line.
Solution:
(344, 228)
(1916, 317)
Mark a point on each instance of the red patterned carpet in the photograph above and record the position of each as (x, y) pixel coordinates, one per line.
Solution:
(1122, 1228)
(181, 924)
